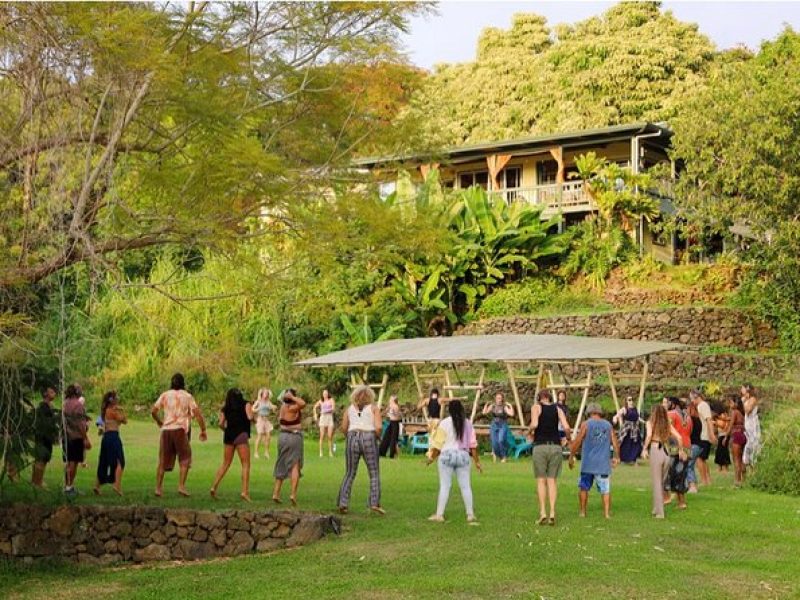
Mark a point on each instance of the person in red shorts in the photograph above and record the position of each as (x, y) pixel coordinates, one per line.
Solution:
(179, 408)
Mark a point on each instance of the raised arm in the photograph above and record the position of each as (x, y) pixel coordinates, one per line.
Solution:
(486, 408)
(509, 410)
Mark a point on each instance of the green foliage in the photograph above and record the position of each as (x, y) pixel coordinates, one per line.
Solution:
(364, 335)
(621, 195)
(633, 63)
(538, 295)
(739, 141)
(595, 252)
(779, 460)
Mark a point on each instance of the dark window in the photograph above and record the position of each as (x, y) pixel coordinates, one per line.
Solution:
(479, 178)
(511, 177)
(546, 172)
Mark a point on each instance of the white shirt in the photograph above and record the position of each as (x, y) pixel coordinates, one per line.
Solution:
(704, 410)
(361, 421)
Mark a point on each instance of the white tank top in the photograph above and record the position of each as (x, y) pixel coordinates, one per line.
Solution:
(361, 421)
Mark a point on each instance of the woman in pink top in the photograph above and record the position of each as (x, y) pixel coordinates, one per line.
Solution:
(323, 416)
(454, 443)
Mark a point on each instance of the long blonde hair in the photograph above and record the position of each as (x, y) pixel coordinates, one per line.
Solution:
(264, 394)
(659, 423)
(362, 396)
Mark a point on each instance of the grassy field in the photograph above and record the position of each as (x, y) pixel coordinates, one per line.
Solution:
(729, 544)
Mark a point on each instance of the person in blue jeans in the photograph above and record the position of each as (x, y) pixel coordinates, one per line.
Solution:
(595, 439)
(501, 411)
(697, 448)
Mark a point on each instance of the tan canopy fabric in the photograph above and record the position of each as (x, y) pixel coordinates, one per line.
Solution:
(489, 349)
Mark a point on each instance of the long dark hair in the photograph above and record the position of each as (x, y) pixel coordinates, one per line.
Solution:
(233, 400)
(458, 416)
(737, 403)
(73, 391)
(108, 399)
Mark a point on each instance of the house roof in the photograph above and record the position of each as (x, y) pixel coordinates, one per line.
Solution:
(538, 142)
(489, 349)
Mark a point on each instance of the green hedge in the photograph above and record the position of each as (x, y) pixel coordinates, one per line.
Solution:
(778, 464)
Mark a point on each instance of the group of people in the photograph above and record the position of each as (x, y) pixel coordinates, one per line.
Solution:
(677, 441)
(680, 435)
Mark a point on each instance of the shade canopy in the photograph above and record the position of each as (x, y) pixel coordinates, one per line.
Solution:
(489, 349)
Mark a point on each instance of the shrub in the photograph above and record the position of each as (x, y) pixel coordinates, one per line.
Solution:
(537, 296)
(779, 461)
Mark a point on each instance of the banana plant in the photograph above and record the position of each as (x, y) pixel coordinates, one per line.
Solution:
(363, 334)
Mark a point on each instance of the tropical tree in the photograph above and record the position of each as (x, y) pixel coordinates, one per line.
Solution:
(634, 62)
(621, 196)
(739, 143)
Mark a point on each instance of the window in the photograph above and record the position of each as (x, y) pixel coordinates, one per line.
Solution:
(479, 178)
(511, 177)
(546, 172)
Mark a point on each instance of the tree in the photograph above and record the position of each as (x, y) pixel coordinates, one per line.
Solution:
(132, 125)
(739, 141)
(632, 63)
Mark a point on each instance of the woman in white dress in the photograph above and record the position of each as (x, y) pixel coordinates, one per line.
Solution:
(752, 425)
(262, 407)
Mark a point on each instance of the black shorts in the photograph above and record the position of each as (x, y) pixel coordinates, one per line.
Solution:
(43, 452)
(705, 450)
(75, 451)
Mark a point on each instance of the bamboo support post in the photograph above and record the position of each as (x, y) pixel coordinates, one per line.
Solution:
(642, 385)
(478, 393)
(581, 410)
(613, 388)
(382, 389)
(515, 392)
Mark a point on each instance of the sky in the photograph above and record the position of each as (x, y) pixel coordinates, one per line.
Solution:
(452, 35)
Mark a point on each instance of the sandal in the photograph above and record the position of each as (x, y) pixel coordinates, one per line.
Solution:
(542, 521)
(552, 521)
(277, 500)
(378, 510)
(343, 510)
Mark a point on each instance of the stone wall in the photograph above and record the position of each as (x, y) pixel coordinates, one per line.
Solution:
(693, 326)
(105, 535)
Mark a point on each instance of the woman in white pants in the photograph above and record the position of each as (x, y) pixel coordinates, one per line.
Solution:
(453, 444)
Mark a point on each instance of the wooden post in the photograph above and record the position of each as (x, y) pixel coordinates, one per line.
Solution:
(538, 383)
(382, 389)
(478, 393)
(417, 382)
(495, 163)
(642, 384)
(581, 410)
(613, 387)
(515, 392)
(558, 155)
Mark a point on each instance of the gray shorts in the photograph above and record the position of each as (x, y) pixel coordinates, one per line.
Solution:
(547, 460)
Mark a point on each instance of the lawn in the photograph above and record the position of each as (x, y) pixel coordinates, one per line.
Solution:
(729, 544)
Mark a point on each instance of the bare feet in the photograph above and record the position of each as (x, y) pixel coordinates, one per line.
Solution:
(158, 493)
(184, 493)
(245, 497)
(256, 455)
(436, 518)
(293, 500)
(277, 500)
(117, 490)
(213, 493)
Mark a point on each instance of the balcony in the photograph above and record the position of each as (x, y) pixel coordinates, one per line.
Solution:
(556, 198)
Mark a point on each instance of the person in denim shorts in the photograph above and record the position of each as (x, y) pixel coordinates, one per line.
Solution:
(595, 439)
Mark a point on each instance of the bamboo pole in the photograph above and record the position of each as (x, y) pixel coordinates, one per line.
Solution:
(581, 410)
(642, 384)
(613, 388)
(478, 393)
(515, 392)
(417, 381)
(382, 389)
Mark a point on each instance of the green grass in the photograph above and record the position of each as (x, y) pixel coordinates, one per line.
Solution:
(729, 544)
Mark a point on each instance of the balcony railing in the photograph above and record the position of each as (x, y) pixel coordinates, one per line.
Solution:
(555, 197)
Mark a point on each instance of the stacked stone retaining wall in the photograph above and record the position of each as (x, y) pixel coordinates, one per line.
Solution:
(693, 326)
(105, 535)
